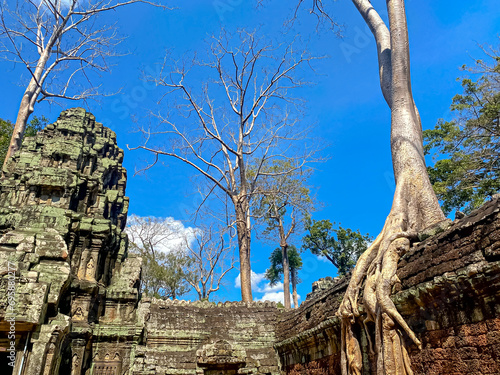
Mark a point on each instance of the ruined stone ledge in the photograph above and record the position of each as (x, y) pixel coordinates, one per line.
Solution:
(333, 322)
(449, 291)
(206, 304)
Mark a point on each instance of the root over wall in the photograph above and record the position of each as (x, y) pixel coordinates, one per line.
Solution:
(449, 294)
(78, 309)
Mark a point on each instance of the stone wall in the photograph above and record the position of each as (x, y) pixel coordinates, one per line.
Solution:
(202, 337)
(449, 294)
(62, 250)
(76, 297)
(71, 291)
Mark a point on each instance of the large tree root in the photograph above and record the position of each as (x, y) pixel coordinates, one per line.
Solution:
(377, 269)
(414, 208)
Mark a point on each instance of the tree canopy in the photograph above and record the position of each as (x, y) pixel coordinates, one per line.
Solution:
(275, 271)
(166, 274)
(343, 251)
(240, 118)
(284, 208)
(6, 128)
(278, 267)
(166, 264)
(61, 44)
(467, 171)
(211, 258)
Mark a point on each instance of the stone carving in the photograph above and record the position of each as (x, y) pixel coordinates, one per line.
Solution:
(221, 355)
(78, 314)
(75, 365)
(62, 214)
(89, 273)
(110, 365)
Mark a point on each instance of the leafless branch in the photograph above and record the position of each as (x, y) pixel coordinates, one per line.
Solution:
(241, 116)
(61, 44)
(213, 257)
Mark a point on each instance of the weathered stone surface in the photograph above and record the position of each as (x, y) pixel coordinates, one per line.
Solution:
(62, 212)
(182, 337)
(66, 277)
(449, 294)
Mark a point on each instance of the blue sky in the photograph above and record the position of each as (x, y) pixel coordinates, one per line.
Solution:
(356, 184)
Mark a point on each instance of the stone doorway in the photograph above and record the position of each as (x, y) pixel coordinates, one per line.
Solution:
(220, 371)
(221, 358)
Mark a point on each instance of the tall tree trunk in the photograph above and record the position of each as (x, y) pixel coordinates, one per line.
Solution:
(244, 236)
(414, 208)
(294, 288)
(286, 276)
(284, 258)
(29, 98)
(198, 290)
(25, 111)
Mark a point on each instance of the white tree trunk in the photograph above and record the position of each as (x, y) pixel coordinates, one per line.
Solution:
(286, 276)
(414, 207)
(244, 237)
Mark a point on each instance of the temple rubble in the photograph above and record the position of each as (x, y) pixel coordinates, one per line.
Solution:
(72, 289)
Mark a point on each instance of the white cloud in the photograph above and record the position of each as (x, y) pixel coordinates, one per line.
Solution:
(166, 234)
(275, 288)
(257, 278)
(261, 285)
(323, 259)
(276, 297)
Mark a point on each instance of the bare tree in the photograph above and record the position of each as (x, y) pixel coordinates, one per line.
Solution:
(152, 234)
(212, 258)
(243, 114)
(414, 208)
(161, 244)
(285, 205)
(59, 42)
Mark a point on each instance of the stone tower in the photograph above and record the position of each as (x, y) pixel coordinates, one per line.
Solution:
(63, 255)
(69, 292)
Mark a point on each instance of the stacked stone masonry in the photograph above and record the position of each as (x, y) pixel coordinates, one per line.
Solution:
(66, 277)
(62, 214)
(449, 294)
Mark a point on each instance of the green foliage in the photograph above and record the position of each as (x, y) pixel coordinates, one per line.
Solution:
(7, 127)
(342, 251)
(274, 272)
(165, 274)
(285, 200)
(467, 149)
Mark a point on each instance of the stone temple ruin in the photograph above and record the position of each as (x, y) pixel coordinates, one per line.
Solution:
(69, 290)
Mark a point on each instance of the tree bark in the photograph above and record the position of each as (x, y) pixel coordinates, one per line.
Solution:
(25, 111)
(383, 40)
(29, 98)
(410, 171)
(284, 257)
(294, 288)
(414, 208)
(244, 237)
(286, 276)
